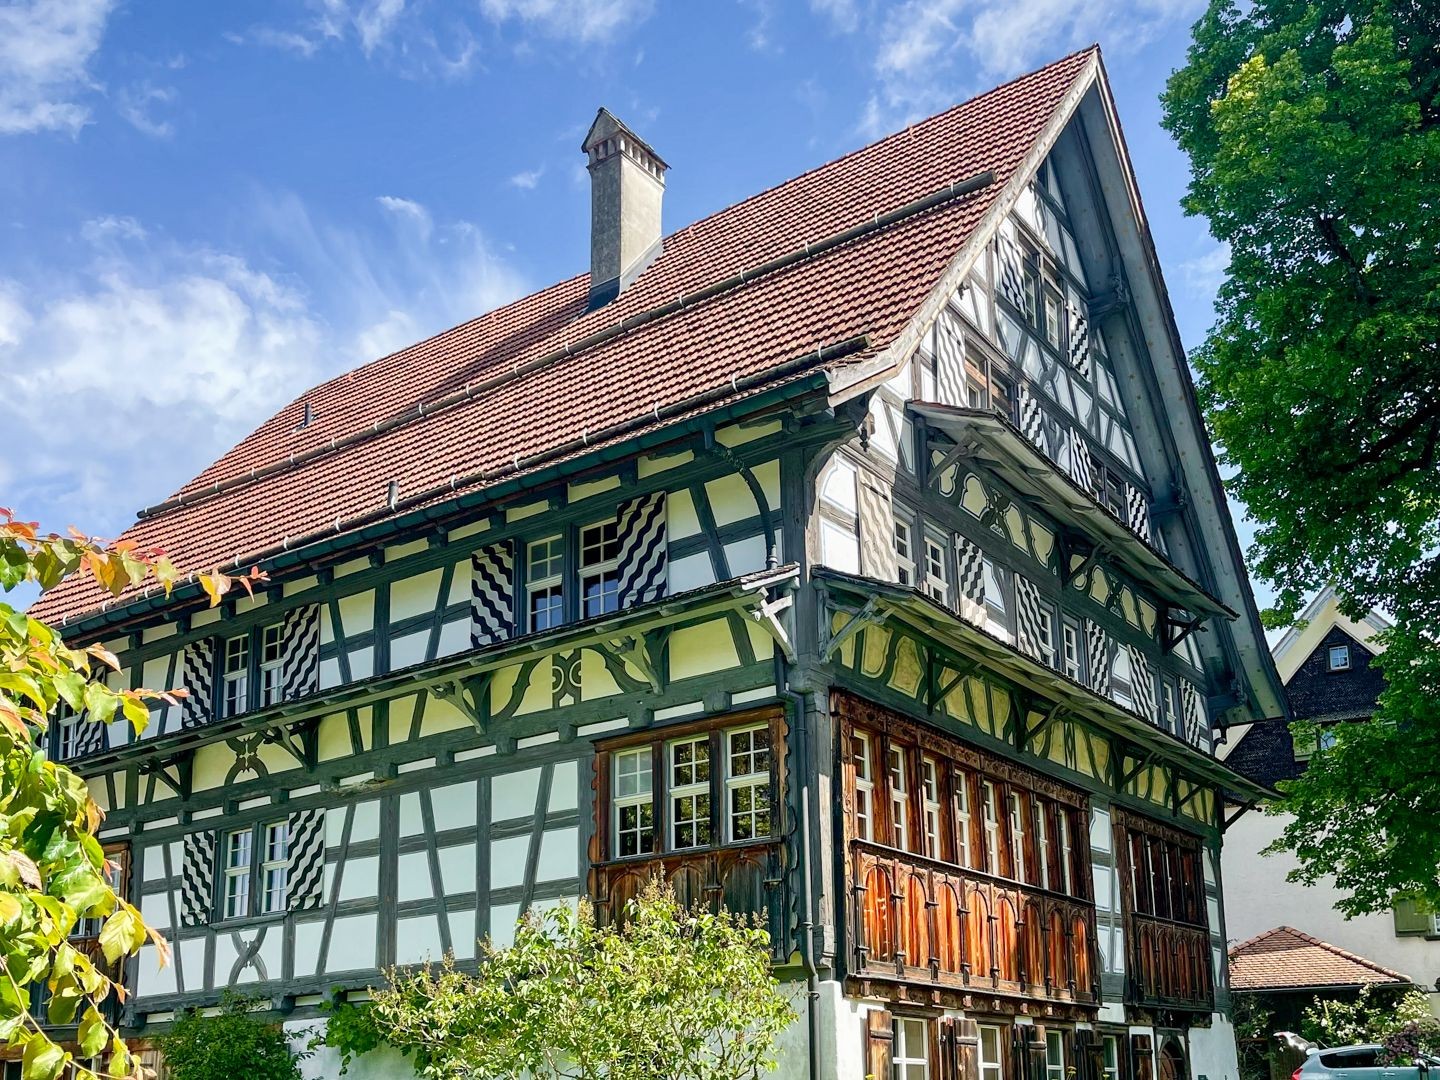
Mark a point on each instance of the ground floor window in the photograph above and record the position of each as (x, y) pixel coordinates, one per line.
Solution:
(992, 1061)
(910, 1060)
(1110, 1061)
(1054, 1055)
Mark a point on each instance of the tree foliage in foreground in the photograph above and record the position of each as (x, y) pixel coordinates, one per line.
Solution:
(669, 993)
(231, 1044)
(1313, 130)
(52, 868)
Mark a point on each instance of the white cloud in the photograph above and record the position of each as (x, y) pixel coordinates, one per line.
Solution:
(580, 20)
(526, 179)
(128, 377)
(1204, 274)
(136, 104)
(845, 14)
(45, 51)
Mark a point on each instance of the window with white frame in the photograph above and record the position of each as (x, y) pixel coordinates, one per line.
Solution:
(930, 796)
(1054, 1055)
(1110, 1057)
(67, 733)
(864, 786)
(600, 568)
(1042, 840)
(1338, 658)
(997, 603)
(937, 569)
(1045, 630)
(634, 807)
(992, 1052)
(255, 870)
(690, 792)
(962, 817)
(235, 676)
(904, 553)
(238, 848)
(272, 659)
(117, 870)
(1170, 706)
(992, 827)
(899, 799)
(275, 867)
(747, 783)
(1122, 686)
(1017, 837)
(910, 1060)
(1062, 828)
(545, 583)
(1070, 654)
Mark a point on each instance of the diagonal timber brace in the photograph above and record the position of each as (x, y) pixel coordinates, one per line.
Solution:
(766, 613)
(638, 651)
(470, 695)
(866, 616)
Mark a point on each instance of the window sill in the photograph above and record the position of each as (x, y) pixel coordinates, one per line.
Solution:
(246, 922)
(689, 853)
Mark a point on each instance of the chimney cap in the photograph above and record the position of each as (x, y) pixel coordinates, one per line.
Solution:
(601, 142)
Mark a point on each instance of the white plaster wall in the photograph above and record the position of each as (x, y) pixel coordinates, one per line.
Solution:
(382, 1064)
(1258, 898)
(1212, 1051)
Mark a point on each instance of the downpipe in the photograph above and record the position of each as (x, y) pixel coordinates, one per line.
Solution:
(807, 915)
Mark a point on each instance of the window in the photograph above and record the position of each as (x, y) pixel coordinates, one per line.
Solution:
(690, 793)
(634, 809)
(237, 873)
(235, 696)
(937, 571)
(1045, 631)
(997, 607)
(992, 827)
(992, 1042)
(899, 799)
(909, 1060)
(962, 818)
(864, 787)
(747, 782)
(1062, 825)
(904, 554)
(1052, 320)
(930, 794)
(1054, 1055)
(272, 685)
(1338, 658)
(275, 869)
(1121, 687)
(600, 568)
(1031, 274)
(117, 870)
(1042, 840)
(1070, 650)
(1110, 1057)
(1017, 838)
(545, 583)
(67, 733)
(1170, 706)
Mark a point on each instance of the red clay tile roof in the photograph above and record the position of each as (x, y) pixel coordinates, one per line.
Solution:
(1286, 959)
(872, 286)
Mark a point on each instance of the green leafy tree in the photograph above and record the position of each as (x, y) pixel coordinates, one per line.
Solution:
(668, 993)
(1313, 131)
(52, 868)
(228, 1045)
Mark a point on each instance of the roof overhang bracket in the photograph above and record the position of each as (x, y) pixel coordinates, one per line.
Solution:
(941, 691)
(176, 772)
(470, 695)
(767, 613)
(953, 456)
(868, 615)
(1074, 545)
(1030, 733)
(1240, 812)
(639, 651)
(1195, 792)
(1128, 775)
(301, 741)
(1173, 631)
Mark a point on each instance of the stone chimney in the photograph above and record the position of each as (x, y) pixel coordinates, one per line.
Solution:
(627, 183)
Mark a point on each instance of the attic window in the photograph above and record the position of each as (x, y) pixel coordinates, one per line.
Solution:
(1338, 658)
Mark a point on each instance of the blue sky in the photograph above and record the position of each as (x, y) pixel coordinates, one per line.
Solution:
(206, 208)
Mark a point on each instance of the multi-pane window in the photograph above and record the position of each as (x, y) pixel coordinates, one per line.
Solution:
(904, 553)
(1042, 840)
(1070, 650)
(1165, 877)
(1062, 829)
(238, 848)
(930, 796)
(690, 793)
(272, 658)
(992, 1046)
(600, 568)
(937, 570)
(545, 583)
(1110, 1057)
(1170, 704)
(997, 605)
(1045, 631)
(275, 867)
(991, 814)
(747, 783)
(1054, 1055)
(235, 676)
(1338, 658)
(910, 1060)
(864, 786)
(117, 870)
(1122, 687)
(899, 798)
(962, 818)
(634, 807)
(1017, 836)
(1052, 320)
(67, 734)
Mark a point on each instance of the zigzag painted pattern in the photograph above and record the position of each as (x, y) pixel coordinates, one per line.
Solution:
(1139, 512)
(197, 675)
(197, 878)
(492, 593)
(970, 563)
(643, 549)
(877, 529)
(1079, 341)
(1027, 609)
(949, 363)
(300, 652)
(90, 739)
(1097, 655)
(1190, 703)
(1012, 285)
(1080, 461)
(1032, 417)
(306, 874)
(1143, 676)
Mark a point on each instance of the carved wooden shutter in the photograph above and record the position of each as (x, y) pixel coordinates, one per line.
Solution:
(879, 1043)
(970, 567)
(300, 652)
(197, 878)
(1035, 1055)
(1143, 676)
(958, 1049)
(877, 528)
(643, 549)
(1142, 1061)
(1027, 621)
(492, 593)
(1097, 648)
(305, 878)
(197, 675)
(1089, 1055)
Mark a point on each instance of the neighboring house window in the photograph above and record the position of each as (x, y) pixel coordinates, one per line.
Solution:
(235, 694)
(864, 786)
(1071, 655)
(904, 553)
(1054, 1055)
(1017, 838)
(962, 818)
(910, 1061)
(1110, 1057)
(747, 780)
(272, 680)
(992, 1061)
(600, 568)
(1339, 658)
(545, 583)
(238, 849)
(67, 733)
(899, 799)
(690, 793)
(937, 571)
(634, 808)
(1325, 737)
(992, 827)
(930, 793)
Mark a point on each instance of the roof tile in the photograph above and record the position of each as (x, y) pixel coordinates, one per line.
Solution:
(1286, 959)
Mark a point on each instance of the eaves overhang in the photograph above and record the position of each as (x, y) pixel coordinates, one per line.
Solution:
(761, 596)
(991, 440)
(918, 611)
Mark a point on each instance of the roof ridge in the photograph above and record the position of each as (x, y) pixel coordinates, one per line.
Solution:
(1320, 943)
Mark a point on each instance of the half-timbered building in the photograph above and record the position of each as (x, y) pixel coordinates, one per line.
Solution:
(855, 555)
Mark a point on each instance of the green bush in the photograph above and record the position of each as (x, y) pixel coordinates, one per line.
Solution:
(236, 1042)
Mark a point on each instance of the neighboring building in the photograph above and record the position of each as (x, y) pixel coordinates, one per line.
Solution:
(839, 557)
(1326, 665)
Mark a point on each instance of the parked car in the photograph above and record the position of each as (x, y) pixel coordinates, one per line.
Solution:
(1362, 1062)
